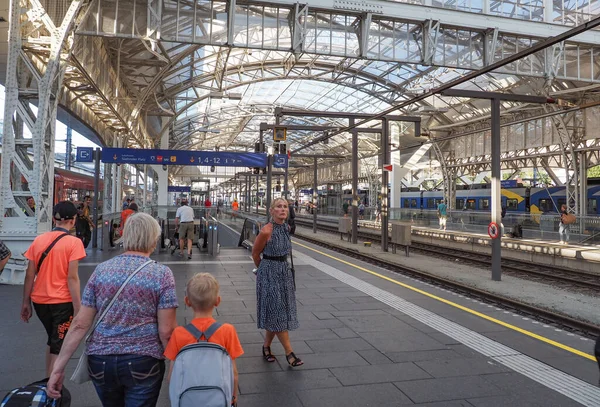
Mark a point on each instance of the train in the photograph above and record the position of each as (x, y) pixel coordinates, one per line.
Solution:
(74, 186)
(518, 199)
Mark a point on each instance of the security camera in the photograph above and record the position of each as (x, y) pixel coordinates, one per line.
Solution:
(212, 168)
(164, 167)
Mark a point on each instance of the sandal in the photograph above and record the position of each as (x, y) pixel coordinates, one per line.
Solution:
(266, 350)
(296, 360)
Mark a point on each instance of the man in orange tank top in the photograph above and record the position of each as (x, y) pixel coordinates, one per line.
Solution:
(52, 279)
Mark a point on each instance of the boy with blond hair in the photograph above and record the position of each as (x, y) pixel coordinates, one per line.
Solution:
(202, 295)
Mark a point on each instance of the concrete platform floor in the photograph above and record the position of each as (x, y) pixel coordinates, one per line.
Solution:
(365, 341)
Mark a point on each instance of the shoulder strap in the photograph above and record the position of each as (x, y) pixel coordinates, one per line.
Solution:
(196, 333)
(211, 330)
(45, 254)
(112, 301)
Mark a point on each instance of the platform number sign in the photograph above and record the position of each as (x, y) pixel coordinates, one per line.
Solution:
(493, 230)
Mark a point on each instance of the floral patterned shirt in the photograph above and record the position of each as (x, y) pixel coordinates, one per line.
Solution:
(131, 325)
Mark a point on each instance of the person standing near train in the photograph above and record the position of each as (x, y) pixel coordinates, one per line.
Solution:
(275, 287)
(442, 211)
(563, 228)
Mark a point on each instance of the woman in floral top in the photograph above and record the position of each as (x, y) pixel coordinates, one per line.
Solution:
(125, 351)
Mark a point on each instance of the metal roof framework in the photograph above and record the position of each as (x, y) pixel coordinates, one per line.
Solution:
(138, 70)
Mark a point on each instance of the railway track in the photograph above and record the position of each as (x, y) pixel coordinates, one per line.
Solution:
(544, 316)
(564, 278)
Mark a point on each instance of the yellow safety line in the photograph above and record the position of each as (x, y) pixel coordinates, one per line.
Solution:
(466, 309)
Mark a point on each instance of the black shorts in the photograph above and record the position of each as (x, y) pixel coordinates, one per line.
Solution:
(56, 319)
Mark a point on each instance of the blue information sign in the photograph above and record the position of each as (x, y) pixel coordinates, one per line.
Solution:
(180, 157)
(508, 183)
(173, 188)
(85, 154)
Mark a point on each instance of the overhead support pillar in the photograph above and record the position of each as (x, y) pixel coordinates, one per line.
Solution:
(354, 183)
(163, 177)
(496, 196)
(496, 217)
(145, 189)
(69, 149)
(583, 206)
(385, 158)
(269, 183)
(97, 155)
(315, 196)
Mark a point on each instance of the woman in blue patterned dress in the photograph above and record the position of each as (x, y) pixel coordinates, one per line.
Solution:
(276, 300)
(125, 352)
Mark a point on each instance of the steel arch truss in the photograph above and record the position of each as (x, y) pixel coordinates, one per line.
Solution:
(380, 30)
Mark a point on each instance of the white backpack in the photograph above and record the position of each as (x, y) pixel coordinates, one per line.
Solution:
(202, 373)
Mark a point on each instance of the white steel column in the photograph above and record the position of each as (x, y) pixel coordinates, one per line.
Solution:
(163, 177)
(20, 176)
(145, 189)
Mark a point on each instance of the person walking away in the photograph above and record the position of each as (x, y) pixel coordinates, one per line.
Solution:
(235, 206)
(219, 208)
(84, 224)
(442, 214)
(296, 205)
(184, 220)
(125, 350)
(361, 211)
(4, 256)
(345, 208)
(563, 228)
(202, 295)
(276, 300)
(52, 279)
(131, 209)
(378, 215)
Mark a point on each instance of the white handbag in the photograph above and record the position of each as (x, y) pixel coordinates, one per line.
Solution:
(81, 373)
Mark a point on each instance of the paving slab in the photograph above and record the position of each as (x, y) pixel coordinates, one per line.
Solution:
(357, 350)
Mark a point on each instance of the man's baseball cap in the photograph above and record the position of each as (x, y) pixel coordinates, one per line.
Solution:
(64, 210)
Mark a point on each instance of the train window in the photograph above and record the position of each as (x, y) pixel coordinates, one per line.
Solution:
(438, 201)
(471, 204)
(406, 204)
(413, 203)
(431, 203)
(460, 204)
(592, 207)
(545, 205)
(511, 204)
(484, 203)
(560, 202)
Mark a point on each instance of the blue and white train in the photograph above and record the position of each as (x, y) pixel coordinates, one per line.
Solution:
(518, 199)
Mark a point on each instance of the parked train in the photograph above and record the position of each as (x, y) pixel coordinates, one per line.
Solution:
(74, 186)
(518, 199)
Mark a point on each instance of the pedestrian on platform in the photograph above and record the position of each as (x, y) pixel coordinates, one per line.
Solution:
(378, 212)
(4, 256)
(184, 221)
(126, 204)
(30, 210)
(292, 218)
(564, 229)
(84, 224)
(125, 351)
(202, 296)
(235, 206)
(442, 211)
(275, 285)
(52, 279)
(345, 208)
(361, 211)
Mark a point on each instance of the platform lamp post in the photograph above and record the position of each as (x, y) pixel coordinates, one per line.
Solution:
(495, 99)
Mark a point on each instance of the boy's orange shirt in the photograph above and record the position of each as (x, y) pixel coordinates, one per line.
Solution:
(226, 336)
